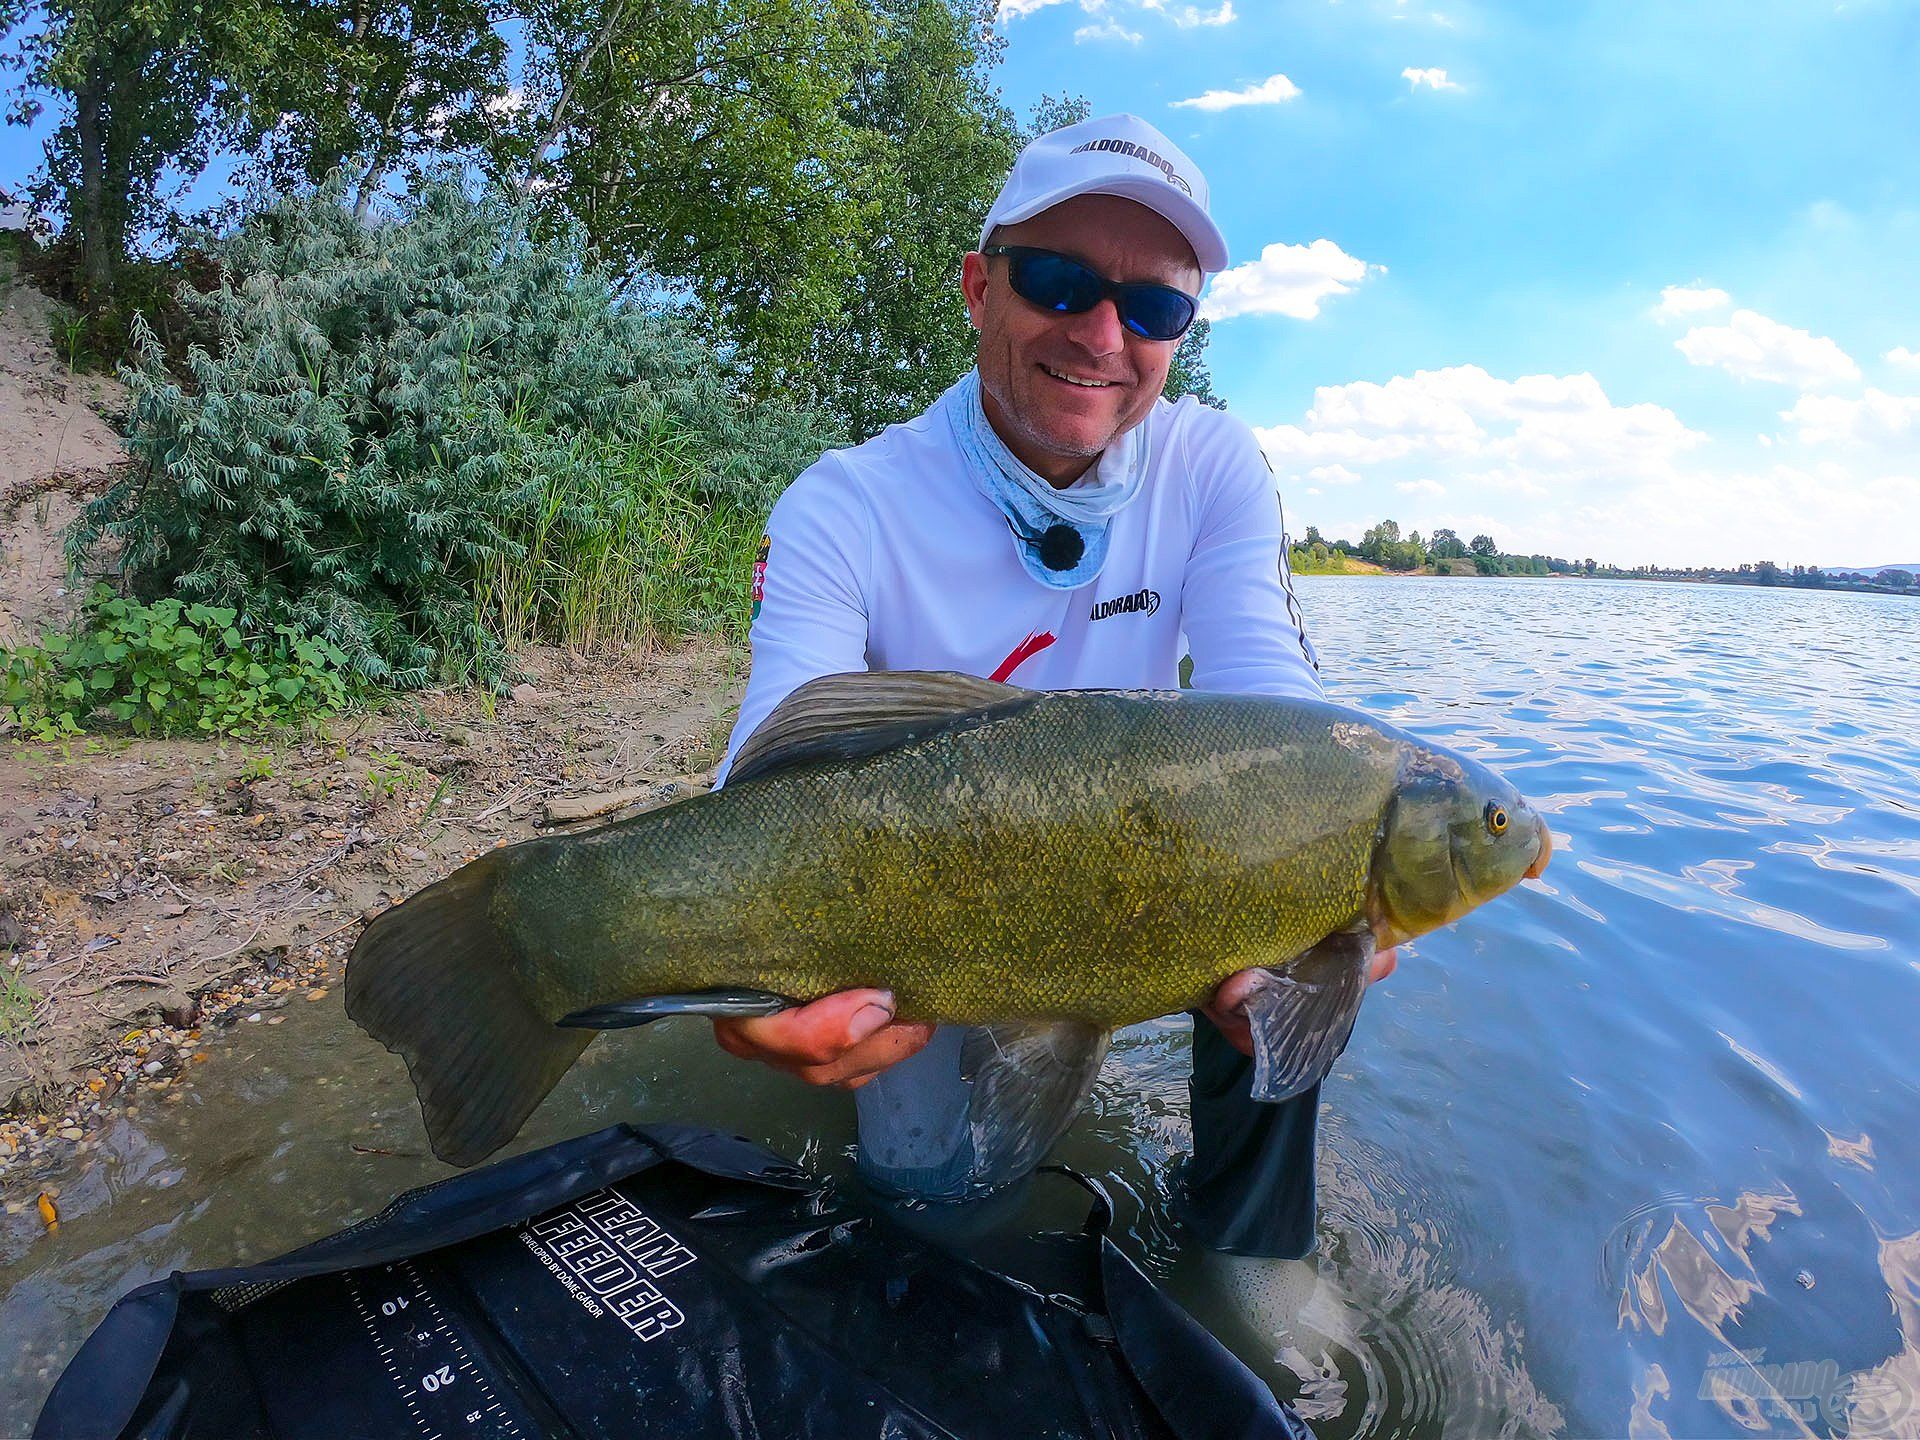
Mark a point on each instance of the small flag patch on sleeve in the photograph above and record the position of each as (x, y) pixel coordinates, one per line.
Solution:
(760, 573)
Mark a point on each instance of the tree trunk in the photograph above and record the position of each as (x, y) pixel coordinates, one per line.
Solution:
(97, 255)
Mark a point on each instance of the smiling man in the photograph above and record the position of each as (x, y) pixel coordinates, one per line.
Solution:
(1052, 522)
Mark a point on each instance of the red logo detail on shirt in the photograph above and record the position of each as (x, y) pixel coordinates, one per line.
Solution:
(1023, 652)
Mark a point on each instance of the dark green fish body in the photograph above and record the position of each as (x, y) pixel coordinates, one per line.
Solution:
(988, 854)
(972, 875)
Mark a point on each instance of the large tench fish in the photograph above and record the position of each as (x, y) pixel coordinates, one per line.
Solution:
(1052, 864)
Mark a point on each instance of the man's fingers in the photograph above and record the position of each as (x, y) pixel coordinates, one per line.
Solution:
(815, 1034)
(867, 1059)
(841, 1039)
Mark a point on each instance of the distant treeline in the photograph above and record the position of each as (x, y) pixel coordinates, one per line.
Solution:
(1444, 553)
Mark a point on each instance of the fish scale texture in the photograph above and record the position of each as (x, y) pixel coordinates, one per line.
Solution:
(1096, 856)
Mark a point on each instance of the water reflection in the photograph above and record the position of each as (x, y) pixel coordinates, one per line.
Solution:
(1632, 1151)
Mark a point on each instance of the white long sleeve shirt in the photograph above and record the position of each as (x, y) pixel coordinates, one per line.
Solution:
(887, 556)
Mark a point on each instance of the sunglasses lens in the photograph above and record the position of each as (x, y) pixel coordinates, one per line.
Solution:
(1157, 312)
(1056, 283)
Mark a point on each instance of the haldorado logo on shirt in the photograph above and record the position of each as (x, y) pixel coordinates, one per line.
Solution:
(1140, 602)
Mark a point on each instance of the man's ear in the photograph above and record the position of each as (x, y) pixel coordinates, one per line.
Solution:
(973, 286)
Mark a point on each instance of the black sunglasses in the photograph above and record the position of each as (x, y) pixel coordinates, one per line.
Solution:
(1062, 284)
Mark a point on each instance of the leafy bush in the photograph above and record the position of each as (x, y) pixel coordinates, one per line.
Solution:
(387, 416)
(169, 668)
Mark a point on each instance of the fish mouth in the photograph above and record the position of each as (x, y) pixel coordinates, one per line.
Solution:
(1539, 865)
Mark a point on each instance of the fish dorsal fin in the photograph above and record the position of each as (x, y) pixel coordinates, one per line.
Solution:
(843, 717)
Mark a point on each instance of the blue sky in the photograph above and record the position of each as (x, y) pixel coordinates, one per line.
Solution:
(1632, 280)
(1638, 280)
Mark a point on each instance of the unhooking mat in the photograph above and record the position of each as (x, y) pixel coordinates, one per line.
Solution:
(659, 1281)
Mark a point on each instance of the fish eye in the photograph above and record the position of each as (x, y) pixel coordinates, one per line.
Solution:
(1496, 817)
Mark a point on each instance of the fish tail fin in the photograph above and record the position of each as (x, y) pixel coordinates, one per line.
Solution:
(433, 980)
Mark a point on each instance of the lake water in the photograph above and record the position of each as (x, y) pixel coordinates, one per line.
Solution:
(1635, 1149)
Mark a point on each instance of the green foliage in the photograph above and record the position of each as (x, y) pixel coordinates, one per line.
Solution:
(389, 775)
(625, 546)
(18, 1001)
(1188, 374)
(169, 669)
(387, 414)
(810, 170)
(379, 86)
(145, 90)
(1383, 545)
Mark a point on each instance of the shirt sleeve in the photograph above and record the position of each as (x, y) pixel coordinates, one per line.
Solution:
(1243, 622)
(813, 606)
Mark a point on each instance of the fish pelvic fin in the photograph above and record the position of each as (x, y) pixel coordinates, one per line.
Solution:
(723, 1000)
(1301, 1015)
(433, 980)
(1028, 1082)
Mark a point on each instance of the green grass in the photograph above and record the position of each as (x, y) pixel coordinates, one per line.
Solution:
(623, 548)
(1302, 561)
(18, 1001)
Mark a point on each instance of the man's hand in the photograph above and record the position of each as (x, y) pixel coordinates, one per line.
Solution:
(1225, 1012)
(842, 1039)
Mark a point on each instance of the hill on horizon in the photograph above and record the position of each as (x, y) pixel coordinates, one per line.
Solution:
(1912, 567)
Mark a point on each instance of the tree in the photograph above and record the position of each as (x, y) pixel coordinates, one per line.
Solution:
(1314, 537)
(1446, 545)
(1483, 545)
(1899, 579)
(1767, 573)
(144, 87)
(1375, 541)
(385, 85)
(807, 172)
(1056, 112)
(1188, 373)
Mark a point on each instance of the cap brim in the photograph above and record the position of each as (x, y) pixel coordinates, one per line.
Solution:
(1172, 204)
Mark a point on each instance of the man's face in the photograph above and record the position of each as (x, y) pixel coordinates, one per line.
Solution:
(1030, 358)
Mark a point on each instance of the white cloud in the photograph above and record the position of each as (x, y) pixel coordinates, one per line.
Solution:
(1679, 301)
(1333, 475)
(1900, 355)
(1876, 419)
(1274, 90)
(1286, 280)
(1186, 17)
(1753, 347)
(1434, 79)
(1108, 29)
(1551, 463)
(1189, 17)
(1511, 435)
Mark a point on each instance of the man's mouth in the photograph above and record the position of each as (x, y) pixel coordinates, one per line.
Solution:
(1082, 381)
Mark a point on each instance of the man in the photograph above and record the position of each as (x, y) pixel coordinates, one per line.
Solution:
(1050, 522)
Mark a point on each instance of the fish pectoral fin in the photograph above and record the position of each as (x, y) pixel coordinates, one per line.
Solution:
(1027, 1083)
(723, 1000)
(1301, 1014)
(844, 717)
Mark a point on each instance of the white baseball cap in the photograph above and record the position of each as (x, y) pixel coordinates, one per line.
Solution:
(1115, 155)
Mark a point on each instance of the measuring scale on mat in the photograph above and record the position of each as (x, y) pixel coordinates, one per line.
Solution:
(433, 1372)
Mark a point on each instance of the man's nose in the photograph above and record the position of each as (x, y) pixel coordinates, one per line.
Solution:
(1098, 331)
